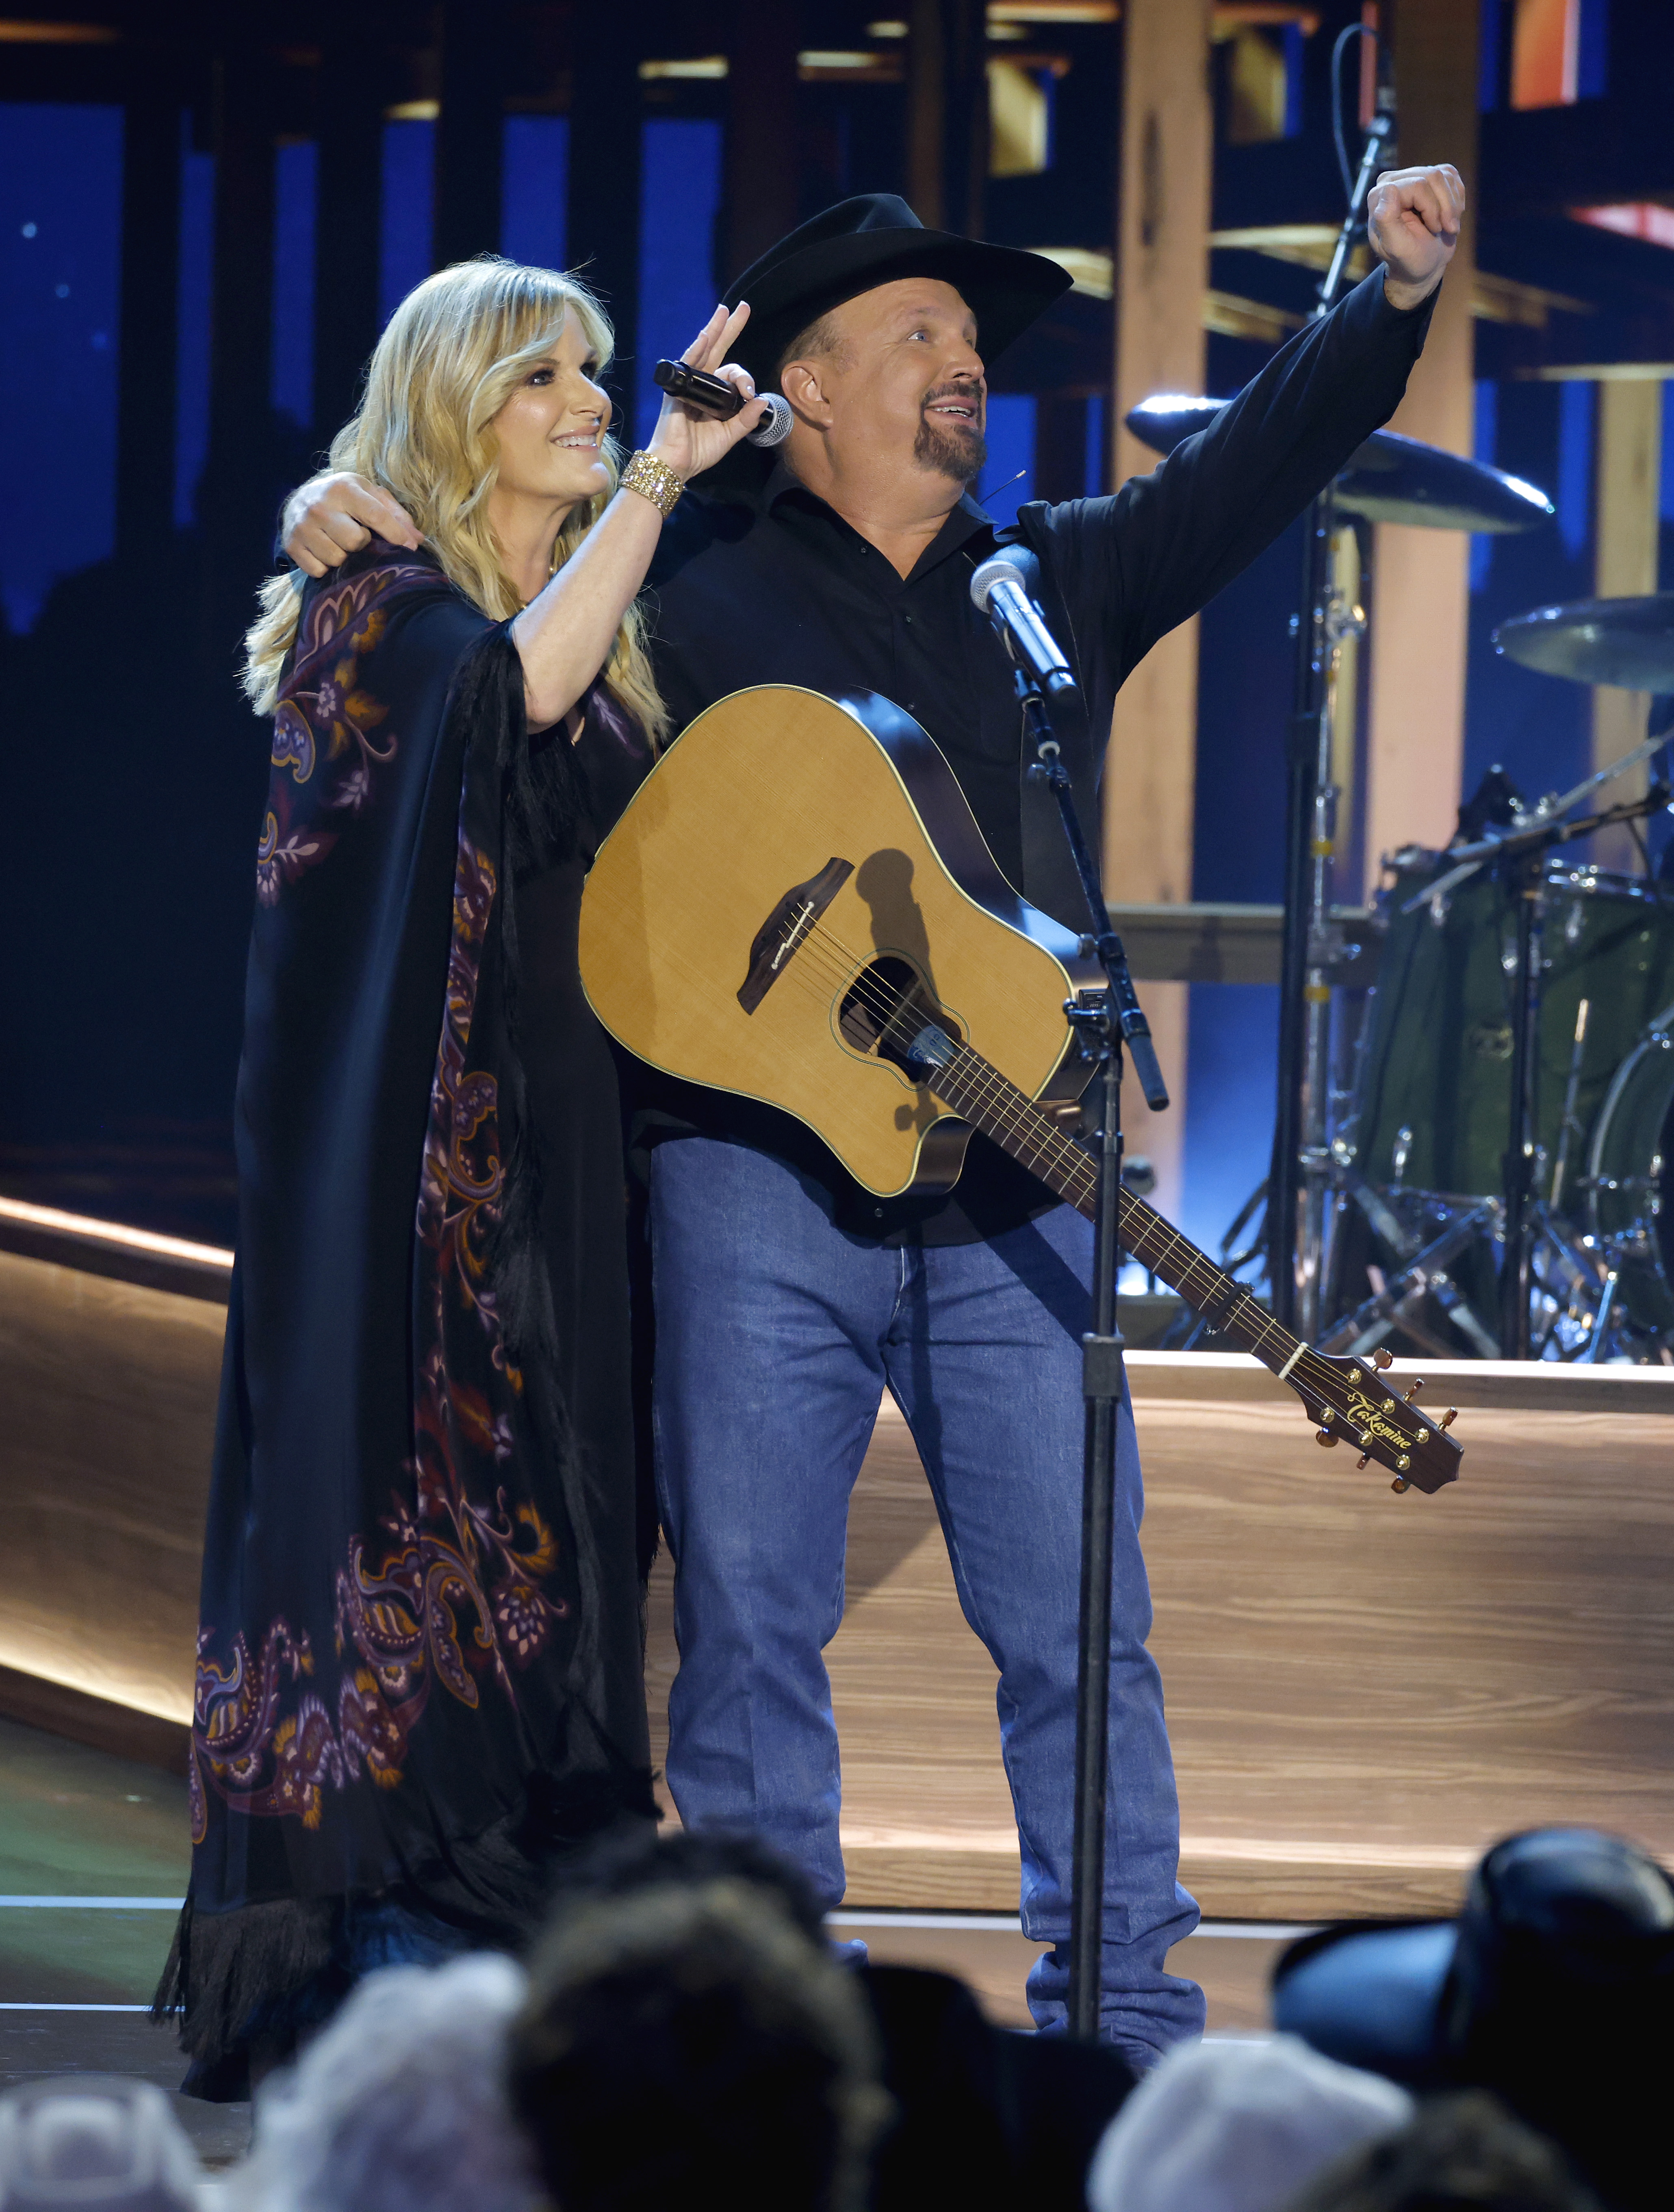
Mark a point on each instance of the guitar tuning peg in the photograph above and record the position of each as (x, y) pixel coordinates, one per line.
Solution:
(1416, 1388)
(1365, 1460)
(1382, 1357)
(1449, 1417)
(1400, 1484)
(1323, 1436)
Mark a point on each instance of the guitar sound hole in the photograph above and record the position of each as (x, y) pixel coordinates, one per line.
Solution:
(885, 1008)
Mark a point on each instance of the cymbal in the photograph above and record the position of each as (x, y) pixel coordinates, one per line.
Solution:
(1628, 643)
(1389, 478)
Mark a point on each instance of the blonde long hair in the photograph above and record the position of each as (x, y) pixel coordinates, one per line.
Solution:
(454, 352)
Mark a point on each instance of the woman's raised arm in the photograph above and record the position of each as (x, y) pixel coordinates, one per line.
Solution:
(565, 635)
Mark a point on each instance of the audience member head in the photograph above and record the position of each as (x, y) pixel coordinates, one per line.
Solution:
(633, 1857)
(1555, 1989)
(686, 2042)
(1236, 2127)
(399, 2105)
(1459, 2154)
(95, 2145)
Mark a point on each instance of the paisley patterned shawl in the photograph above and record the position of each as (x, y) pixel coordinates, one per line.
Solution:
(399, 1651)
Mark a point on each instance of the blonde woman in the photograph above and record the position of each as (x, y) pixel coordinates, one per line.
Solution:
(419, 1654)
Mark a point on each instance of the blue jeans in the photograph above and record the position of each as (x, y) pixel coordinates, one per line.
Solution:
(777, 1333)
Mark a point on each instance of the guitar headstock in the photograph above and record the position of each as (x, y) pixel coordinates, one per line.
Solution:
(1350, 1402)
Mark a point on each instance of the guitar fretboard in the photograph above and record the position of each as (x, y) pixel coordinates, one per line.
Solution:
(979, 1094)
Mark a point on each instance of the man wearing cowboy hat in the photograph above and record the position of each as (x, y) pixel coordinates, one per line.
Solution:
(786, 1298)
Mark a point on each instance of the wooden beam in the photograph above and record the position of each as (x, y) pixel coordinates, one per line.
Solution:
(237, 507)
(350, 125)
(1162, 221)
(947, 113)
(762, 139)
(601, 227)
(468, 149)
(1420, 578)
(150, 285)
(1627, 483)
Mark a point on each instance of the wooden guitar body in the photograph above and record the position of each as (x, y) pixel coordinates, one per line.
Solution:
(798, 906)
(693, 958)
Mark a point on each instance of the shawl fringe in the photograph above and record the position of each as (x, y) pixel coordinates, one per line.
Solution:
(249, 1985)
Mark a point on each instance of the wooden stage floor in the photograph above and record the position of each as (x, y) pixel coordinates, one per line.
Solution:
(1363, 1691)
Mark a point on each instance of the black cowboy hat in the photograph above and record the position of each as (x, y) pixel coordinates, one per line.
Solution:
(1554, 1988)
(871, 240)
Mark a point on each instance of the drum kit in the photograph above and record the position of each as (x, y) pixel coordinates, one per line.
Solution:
(1485, 1139)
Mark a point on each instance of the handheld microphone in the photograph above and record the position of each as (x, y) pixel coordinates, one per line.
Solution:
(715, 396)
(1000, 590)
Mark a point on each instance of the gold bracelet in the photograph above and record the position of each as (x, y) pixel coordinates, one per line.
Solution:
(653, 480)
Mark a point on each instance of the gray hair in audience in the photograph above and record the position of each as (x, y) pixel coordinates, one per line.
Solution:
(399, 2105)
(86, 2144)
(1237, 2127)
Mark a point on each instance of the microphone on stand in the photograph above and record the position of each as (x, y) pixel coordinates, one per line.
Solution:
(715, 396)
(1000, 590)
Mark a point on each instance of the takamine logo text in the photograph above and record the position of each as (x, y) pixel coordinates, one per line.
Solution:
(1367, 1415)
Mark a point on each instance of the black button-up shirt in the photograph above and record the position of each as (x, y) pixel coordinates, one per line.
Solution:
(782, 590)
(803, 598)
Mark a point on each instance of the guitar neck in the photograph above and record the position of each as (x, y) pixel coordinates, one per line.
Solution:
(979, 1094)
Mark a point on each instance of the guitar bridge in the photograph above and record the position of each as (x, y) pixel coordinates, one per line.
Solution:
(786, 928)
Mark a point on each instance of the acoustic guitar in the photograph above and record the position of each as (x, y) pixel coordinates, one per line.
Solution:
(798, 906)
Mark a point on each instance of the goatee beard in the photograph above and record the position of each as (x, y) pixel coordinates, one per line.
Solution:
(959, 454)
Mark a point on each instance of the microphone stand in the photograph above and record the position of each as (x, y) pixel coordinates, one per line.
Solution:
(1102, 1022)
(1302, 1157)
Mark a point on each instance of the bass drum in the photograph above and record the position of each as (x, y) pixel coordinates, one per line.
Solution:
(1630, 1181)
(1433, 1099)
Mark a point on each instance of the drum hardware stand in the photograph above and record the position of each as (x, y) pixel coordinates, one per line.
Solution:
(1589, 1296)
(1524, 877)
(1423, 1274)
(1101, 1022)
(1547, 814)
(1521, 858)
(1586, 1294)
(1519, 855)
(1602, 1319)
(1298, 1188)
(1339, 1089)
(1570, 1127)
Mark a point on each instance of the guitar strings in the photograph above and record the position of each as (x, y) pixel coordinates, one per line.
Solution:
(1011, 1111)
(1146, 1234)
(981, 1085)
(1014, 1112)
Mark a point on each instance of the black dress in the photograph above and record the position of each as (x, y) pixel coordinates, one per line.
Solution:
(419, 1673)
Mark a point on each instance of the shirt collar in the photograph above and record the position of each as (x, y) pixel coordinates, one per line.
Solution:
(964, 522)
